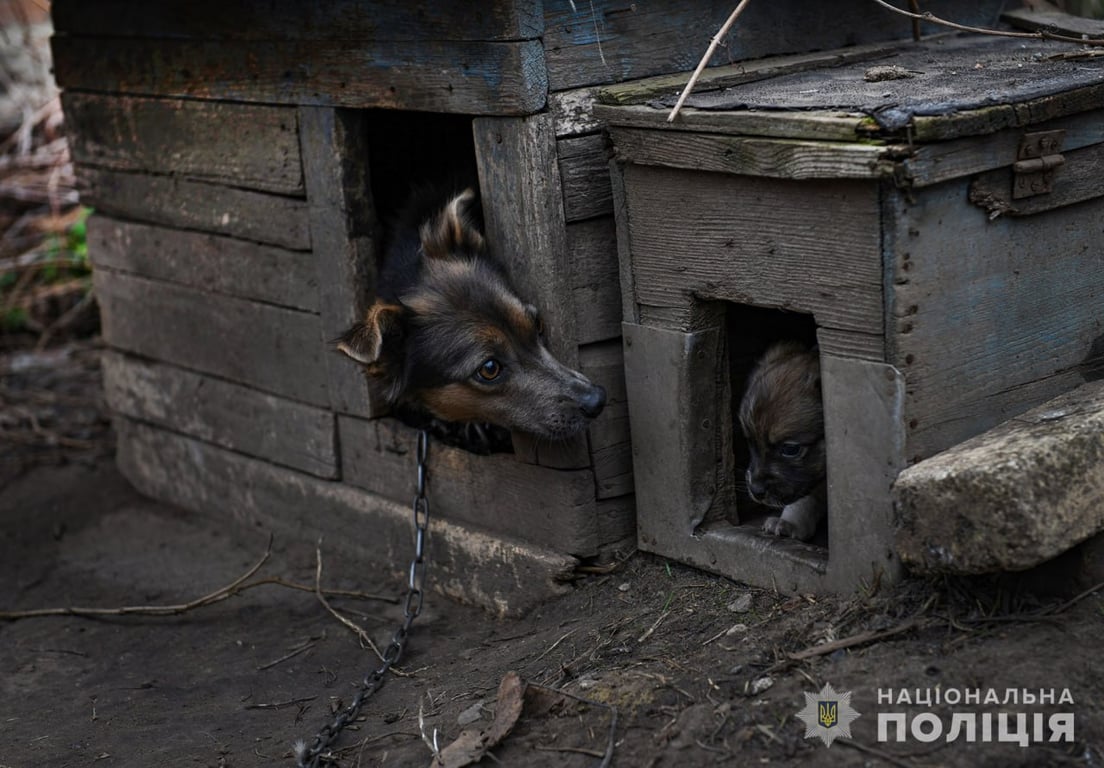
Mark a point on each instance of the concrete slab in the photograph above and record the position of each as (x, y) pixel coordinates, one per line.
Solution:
(1011, 498)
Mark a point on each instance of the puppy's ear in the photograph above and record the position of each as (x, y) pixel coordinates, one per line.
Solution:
(377, 344)
(452, 229)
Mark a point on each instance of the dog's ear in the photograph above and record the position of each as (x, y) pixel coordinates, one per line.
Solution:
(377, 343)
(452, 229)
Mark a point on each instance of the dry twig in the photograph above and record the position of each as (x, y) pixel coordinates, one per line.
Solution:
(1041, 34)
(705, 59)
(236, 587)
(359, 631)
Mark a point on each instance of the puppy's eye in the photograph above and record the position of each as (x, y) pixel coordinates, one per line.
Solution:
(791, 450)
(490, 370)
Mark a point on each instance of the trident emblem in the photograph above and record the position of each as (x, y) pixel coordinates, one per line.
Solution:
(827, 713)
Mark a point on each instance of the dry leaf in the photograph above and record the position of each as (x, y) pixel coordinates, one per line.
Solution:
(471, 745)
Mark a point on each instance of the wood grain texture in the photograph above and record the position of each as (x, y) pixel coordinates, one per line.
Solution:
(810, 246)
(501, 78)
(230, 415)
(213, 263)
(607, 42)
(630, 306)
(609, 436)
(785, 125)
(573, 112)
(595, 286)
(725, 76)
(524, 217)
(551, 507)
(187, 138)
(1020, 298)
(505, 576)
(584, 174)
(774, 158)
(188, 204)
(617, 523)
(295, 20)
(269, 348)
(344, 234)
(1056, 21)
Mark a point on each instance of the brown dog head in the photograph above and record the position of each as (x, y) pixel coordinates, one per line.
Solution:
(461, 345)
(783, 419)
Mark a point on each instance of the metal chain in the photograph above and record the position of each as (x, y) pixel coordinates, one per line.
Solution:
(309, 757)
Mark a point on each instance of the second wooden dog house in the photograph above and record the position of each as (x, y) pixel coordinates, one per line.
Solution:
(932, 215)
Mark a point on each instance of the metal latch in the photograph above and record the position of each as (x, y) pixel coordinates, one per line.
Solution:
(1037, 159)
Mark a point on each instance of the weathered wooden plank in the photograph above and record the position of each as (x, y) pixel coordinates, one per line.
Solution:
(584, 170)
(503, 575)
(1054, 21)
(607, 41)
(243, 145)
(847, 344)
(864, 435)
(815, 126)
(573, 112)
(630, 307)
(932, 163)
(343, 234)
(1077, 181)
(208, 262)
(1020, 297)
(295, 20)
(774, 158)
(617, 522)
(592, 249)
(610, 441)
(763, 242)
(977, 122)
(502, 78)
(726, 76)
(554, 508)
(524, 217)
(271, 348)
(177, 202)
(230, 415)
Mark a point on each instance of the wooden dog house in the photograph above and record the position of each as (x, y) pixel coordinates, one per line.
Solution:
(934, 210)
(240, 158)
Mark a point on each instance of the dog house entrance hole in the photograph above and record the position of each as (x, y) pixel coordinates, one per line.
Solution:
(750, 331)
(408, 151)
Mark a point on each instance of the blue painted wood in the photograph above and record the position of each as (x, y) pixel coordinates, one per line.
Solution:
(485, 78)
(608, 41)
(298, 20)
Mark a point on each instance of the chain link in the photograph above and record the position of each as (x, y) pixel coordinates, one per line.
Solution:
(311, 757)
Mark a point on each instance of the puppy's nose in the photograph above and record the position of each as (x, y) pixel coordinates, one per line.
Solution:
(593, 401)
(756, 487)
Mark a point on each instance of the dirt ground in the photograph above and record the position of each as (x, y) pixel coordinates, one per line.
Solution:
(699, 670)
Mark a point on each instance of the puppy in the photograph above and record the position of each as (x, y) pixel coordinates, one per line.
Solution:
(449, 338)
(783, 420)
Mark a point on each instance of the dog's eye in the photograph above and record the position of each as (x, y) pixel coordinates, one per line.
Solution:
(791, 450)
(489, 370)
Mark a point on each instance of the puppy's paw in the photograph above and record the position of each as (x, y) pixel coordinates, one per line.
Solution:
(776, 526)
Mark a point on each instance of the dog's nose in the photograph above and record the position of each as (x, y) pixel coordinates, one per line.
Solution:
(756, 487)
(593, 401)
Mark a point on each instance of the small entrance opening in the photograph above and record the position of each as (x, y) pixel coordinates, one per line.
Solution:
(416, 152)
(751, 332)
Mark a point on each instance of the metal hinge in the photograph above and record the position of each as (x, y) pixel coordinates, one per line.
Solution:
(1037, 159)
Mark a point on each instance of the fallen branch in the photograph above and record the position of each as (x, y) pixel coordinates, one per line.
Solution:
(236, 587)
